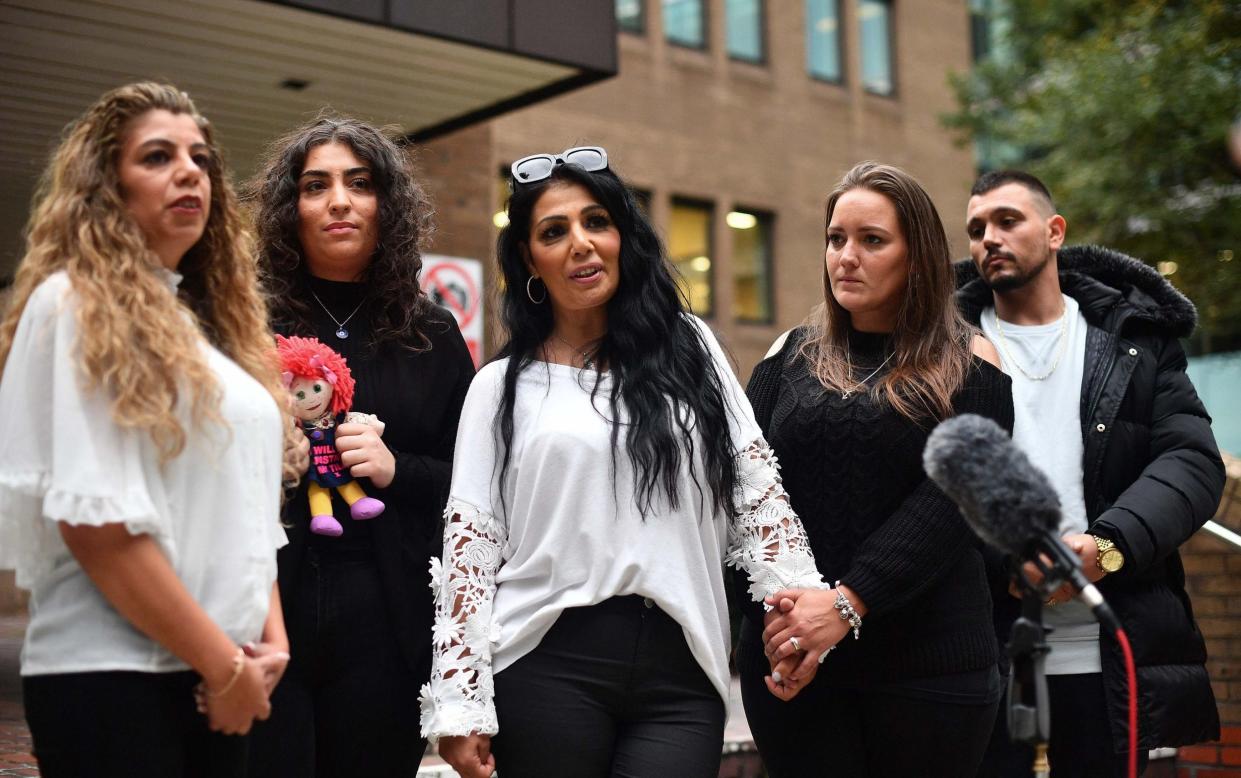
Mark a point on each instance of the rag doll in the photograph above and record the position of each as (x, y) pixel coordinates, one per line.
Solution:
(321, 386)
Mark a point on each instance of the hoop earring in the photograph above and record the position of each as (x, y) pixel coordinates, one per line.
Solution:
(530, 294)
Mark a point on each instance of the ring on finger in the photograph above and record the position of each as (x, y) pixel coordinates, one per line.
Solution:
(796, 643)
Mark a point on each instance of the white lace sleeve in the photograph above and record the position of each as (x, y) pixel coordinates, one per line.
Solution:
(766, 539)
(459, 699)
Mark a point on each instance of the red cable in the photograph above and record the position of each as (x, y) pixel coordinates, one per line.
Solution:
(1131, 674)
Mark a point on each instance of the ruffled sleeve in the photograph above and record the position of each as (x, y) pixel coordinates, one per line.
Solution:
(64, 458)
(766, 539)
(459, 698)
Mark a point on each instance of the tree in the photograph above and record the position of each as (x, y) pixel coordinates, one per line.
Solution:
(1123, 107)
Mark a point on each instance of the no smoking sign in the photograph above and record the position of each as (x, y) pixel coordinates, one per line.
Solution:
(457, 284)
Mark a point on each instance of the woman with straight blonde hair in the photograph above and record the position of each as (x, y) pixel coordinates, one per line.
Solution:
(847, 402)
(140, 490)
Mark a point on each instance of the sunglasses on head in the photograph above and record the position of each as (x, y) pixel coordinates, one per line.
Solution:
(537, 167)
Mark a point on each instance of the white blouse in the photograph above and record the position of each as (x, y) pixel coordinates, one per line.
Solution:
(213, 510)
(568, 534)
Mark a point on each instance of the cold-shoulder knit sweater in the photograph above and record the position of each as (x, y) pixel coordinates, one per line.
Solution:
(853, 472)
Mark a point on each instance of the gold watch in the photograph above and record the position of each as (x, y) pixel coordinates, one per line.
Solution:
(1109, 559)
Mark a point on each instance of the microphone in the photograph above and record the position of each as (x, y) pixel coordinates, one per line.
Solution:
(1007, 501)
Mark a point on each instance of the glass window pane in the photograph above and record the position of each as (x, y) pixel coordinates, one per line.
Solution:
(751, 237)
(500, 217)
(876, 20)
(823, 39)
(745, 29)
(684, 23)
(629, 15)
(689, 247)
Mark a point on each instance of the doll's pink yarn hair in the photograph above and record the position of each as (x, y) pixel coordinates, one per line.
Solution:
(310, 358)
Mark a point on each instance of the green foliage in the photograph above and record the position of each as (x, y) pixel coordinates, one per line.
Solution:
(1123, 108)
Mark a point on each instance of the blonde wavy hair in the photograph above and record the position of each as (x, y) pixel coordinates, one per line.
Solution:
(128, 341)
(931, 340)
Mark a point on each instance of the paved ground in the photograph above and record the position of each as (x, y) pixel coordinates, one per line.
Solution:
(16, 759)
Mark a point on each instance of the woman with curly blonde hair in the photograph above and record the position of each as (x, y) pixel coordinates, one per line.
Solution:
(139, 495)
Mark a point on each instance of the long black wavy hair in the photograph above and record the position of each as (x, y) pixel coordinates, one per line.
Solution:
(661, 368)
(397, 303)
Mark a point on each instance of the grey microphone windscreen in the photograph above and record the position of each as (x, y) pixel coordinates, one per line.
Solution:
(1004, 498)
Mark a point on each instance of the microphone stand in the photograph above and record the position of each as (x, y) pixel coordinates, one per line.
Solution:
(1029, 711)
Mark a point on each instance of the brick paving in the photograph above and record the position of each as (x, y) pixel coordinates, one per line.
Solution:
(15, 756)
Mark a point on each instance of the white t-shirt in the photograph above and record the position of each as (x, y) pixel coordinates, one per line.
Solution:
(213, 510)
(1047, 427)
(568, 534)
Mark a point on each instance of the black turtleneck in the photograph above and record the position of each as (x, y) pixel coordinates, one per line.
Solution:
(418, 396)
(853, 471)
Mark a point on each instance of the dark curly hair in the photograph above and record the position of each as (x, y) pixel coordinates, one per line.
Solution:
(399, 306)
(662, 370)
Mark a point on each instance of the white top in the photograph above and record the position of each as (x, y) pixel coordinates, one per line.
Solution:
(1047, 427)
(213, 510)
(572, 536)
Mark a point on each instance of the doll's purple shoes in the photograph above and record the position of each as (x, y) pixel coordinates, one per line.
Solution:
(366, 508)
(326, 525)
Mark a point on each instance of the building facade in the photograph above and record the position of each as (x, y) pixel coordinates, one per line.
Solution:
(734, 118)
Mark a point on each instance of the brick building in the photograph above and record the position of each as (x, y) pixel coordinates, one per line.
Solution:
(735, 119)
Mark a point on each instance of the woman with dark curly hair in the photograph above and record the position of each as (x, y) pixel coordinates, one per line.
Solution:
(341, 224)
(607, 465)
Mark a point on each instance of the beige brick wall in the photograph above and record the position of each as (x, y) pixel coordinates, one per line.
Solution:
(677, 121)
(1213, 576)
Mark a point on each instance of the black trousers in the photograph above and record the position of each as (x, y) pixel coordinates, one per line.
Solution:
(870, 733)
(125, 724)
(348, 703)
(612, 691)
(1081, 738)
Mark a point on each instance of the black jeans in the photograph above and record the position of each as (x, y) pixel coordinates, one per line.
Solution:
(896, 730)
(1081, 737)
(612, 691)
(348, 703)
(125, 724)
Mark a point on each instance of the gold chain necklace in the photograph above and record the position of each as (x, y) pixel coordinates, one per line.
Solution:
(1062, 346)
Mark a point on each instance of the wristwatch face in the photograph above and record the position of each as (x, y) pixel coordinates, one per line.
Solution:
(1111, 560)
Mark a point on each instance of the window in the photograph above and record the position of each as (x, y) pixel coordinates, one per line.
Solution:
(500, 217)
(989, 27)
(689, 245)
(629, 16)
(685, 23)
(751, 237)
(876, 21)
(745, 29)
(823, 39)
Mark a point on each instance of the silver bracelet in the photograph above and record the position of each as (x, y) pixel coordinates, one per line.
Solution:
(847, 612)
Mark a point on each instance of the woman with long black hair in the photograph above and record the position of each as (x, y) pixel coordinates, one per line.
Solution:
(341, 224)
(606, 464)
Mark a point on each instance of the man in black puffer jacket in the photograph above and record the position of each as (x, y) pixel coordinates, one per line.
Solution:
(1089, 336)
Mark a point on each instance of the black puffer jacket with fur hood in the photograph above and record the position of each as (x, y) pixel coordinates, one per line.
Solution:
(1152, 476)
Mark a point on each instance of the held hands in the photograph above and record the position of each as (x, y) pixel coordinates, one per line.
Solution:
(234, 701)
(1087, 551)
(469, 755)
(810, 616)
(365, 454)
(271, 659)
